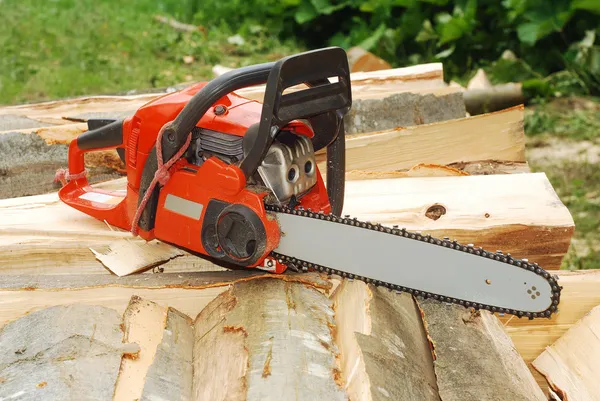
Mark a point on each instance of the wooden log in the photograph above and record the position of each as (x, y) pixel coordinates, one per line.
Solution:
(578, 297)
(143, 323)
(419, 78)
(41, 235)
(498, 136)
(498, 97)
(274, 346)
(519, 214)
(62, 353)
(361, 60)
(474, 357)
(171, 372)
(380, 335)
(571, 365)
(272, 337)
(34, 138)
(191, 292)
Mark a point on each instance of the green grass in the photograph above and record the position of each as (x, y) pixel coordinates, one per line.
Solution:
(578, 186)
(570, 118)
(62, 48)
(576, 180)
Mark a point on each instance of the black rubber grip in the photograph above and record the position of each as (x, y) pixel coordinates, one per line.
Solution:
(106, 136)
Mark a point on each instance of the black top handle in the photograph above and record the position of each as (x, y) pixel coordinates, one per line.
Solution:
(321, 103)
(324, 104)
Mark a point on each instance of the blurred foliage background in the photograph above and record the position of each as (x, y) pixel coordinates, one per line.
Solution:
(70, 47)
(546, 36)
(61, 48)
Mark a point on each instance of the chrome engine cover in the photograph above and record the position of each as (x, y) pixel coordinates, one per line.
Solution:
(289, 168)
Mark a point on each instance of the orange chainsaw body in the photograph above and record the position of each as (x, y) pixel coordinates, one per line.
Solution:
(202, 199)
(213, 180)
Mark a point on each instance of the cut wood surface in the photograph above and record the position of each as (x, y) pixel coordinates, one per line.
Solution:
(519, 214)
(497, 136)
(572, 364)
(475, 359)
(380, 335)
(143, 323)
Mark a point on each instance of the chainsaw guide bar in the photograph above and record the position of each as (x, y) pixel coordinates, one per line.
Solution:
(526, 269)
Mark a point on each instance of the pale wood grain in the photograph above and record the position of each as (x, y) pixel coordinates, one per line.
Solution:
(498, 136)
(380, 335)
(572, 364)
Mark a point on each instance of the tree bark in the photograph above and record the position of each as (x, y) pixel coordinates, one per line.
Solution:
(381, 337)
(266, 340)
(61, 353)
(474, 357)
(497, 136)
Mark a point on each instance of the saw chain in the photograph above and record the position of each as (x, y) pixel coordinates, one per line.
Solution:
(305, 266)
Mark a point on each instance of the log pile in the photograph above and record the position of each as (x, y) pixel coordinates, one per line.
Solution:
(176, 326)
(34, 138)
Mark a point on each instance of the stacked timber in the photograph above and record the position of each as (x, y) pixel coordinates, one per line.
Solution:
(177, 326)
(34, 138)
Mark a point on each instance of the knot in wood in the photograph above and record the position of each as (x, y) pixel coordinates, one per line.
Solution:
(434, 212)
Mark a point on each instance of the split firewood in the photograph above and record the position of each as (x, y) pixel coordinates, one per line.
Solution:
(578, 297)
(41, 235)
(380, 335)
(479, 81)
(267, 340)
(475, 210)
(171, 372)
(163, 367)
(474, 357)
(62, 353)
(34, 138)
(143, 323)
(572, 363)
(190, 293)
(446, 142)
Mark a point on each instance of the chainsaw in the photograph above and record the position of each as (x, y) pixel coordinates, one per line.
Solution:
(236, 180)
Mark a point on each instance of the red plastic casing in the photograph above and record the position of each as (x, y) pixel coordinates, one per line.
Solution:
(215, 179)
